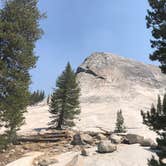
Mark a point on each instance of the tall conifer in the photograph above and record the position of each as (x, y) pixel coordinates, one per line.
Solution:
(156, 21)
(19, 30)
(64, 104)
(157, 122)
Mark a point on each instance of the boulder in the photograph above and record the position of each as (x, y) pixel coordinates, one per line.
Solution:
(87, 139)
(101, 136)
(77, 140)
(148, 142)
(116, 139)
(106, 147)
(84, 152)
(134, 138)
(82, 139)
(46, 162)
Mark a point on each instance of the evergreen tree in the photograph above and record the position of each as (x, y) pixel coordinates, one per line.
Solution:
(19, 30)
(164, 105)
(64, 104)
(156, 21)
(157, 122)
(159, 105)
(120, 128)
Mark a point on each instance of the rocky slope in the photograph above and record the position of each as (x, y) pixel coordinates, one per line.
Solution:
(109, 82)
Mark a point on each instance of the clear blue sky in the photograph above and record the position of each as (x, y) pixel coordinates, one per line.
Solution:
(76, 28)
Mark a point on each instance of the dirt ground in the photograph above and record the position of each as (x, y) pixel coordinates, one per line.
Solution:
(15, 152)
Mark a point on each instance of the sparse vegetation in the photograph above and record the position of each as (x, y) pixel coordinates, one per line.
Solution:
(120, 128)
(64, 104)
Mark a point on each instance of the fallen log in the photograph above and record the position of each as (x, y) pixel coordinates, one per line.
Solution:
(36, 139)
(52, 135)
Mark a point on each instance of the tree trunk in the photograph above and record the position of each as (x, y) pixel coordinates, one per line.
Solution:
(60, 121)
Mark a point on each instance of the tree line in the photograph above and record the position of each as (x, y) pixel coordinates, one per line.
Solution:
(36, 97)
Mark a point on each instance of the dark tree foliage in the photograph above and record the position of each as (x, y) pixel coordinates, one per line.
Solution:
(64, 104)
(159, 105)
(36, 97)
(120, 128)
(156, 20)
(19, 30)
(155, 119)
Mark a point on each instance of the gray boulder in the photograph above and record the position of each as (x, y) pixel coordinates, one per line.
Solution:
(106, 147)
(87, 139)
(134, 138)
(77, 140)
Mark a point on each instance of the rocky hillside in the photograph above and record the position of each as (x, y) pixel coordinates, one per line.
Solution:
(109, 82)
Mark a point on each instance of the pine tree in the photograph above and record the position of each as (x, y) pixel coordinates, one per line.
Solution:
(156, 21)
(64, 105)
(157, 121)
(159, 105)
(164, 105)
(120, 128)
(19, 30)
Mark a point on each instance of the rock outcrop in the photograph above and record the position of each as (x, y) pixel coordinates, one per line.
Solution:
(109, 82)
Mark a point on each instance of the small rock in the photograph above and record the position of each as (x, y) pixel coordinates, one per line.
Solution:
(12, 151)
(106, 147)
(84, 152)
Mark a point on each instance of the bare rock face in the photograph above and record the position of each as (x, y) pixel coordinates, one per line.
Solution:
(109, 82)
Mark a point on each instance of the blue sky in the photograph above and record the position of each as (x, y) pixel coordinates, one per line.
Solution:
(76, 28)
